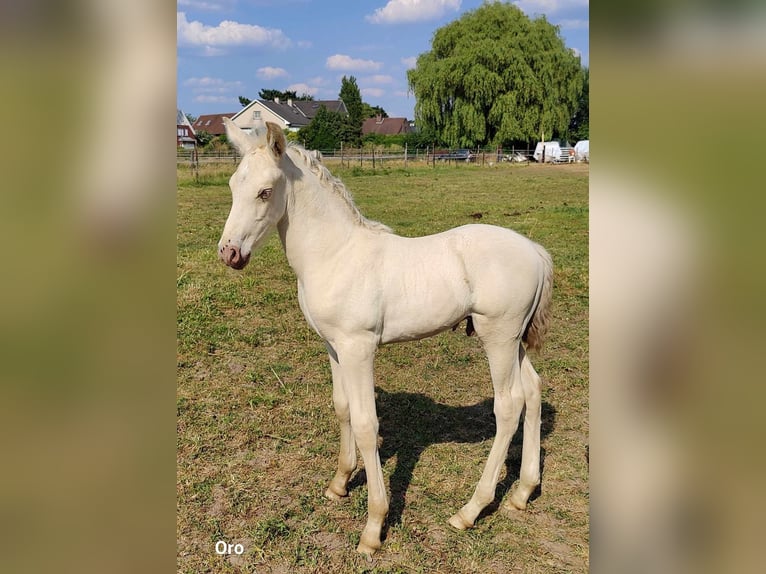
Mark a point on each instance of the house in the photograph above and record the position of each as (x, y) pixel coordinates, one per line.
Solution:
(386, 126)
(291, 115)
(212, 124)
(185, 135)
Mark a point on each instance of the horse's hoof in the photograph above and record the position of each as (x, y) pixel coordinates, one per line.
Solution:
(368, 547)
(457, 521)
(516, 502)
(334, 496)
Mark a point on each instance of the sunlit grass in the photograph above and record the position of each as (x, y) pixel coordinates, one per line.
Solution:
(257, 436)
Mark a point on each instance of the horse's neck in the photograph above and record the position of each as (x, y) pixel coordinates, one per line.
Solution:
(316, 226)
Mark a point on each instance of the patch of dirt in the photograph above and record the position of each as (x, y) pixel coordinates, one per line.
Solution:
(563, 554)
(220, 505)
(329, 541)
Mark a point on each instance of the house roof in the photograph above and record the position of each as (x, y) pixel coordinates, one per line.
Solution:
(212, 123)
(297, 113)
(385, 126)
(182, 120)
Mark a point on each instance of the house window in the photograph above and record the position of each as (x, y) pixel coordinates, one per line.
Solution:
(207, 123)
(181, 132)
(257, 115)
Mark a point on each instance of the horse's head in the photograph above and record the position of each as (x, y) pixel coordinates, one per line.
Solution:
(259, 198)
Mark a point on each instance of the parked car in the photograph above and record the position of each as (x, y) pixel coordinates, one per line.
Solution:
(455, 155)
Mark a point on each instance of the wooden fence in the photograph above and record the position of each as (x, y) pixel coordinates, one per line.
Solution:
(374, 157)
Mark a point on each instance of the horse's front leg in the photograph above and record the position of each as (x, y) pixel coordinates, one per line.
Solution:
(355, 359)
(347, 455)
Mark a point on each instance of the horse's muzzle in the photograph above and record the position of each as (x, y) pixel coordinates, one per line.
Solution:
(232, 256)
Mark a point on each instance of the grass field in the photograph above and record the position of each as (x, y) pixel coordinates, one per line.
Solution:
(257, 434)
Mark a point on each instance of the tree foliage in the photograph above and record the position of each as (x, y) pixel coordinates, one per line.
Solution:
(579, 127)
(270, 94)
(329, 129)
(369, 111)
(497, 77)
(325, 131)
(352, 97)
(204, 138)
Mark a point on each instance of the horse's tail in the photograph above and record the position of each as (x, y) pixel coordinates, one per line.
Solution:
(534, 335)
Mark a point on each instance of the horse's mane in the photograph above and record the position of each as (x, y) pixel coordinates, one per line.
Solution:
(314, 162)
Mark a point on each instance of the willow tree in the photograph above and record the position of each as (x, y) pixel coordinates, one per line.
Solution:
(495, 76)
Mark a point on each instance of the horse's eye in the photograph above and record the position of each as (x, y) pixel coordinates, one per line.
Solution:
(265, 193)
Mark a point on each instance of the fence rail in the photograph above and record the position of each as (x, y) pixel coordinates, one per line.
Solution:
(374, 156)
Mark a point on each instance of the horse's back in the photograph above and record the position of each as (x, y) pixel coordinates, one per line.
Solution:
(432, 282)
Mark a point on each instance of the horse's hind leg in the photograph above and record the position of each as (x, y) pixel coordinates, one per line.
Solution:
(503, 355)
(529, 477)
(347, 453)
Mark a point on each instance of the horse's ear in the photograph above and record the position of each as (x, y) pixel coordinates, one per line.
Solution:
(275, 138)
(238, 138)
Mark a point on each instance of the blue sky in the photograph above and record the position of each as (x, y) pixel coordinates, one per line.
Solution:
(228, 48)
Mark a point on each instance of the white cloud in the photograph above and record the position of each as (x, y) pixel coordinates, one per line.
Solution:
(208, 99)
(227, 33)
(209, 90)
(208, 84)
(302, 88)
(410, 62)
(397, 11)
(372, 92)
(305, 43)
(378, 79)
(210, 51)
(269, 73)
(343, 62)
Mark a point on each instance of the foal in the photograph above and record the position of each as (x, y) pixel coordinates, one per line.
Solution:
(361, 286)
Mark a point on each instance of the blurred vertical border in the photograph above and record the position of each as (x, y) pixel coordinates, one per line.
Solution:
(677, 285)
(87, 299)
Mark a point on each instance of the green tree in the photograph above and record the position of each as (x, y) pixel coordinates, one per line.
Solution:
(497, 77)
(579, 127)
(369, 111)
(352, 97)
(204, 138)
(270, 94)
(244, 102)
(325, 131)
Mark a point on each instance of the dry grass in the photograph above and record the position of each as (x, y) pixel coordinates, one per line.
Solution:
(257, 437)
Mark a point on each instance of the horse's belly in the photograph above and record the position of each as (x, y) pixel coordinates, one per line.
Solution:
(420, 314)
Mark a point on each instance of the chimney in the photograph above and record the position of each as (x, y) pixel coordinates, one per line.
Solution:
(276, 100)
(379, 119)
(290, 102)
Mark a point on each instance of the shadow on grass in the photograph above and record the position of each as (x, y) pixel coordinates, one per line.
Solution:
(410, 422)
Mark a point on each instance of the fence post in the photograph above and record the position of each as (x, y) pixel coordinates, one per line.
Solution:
(405, 155)
(341, 154)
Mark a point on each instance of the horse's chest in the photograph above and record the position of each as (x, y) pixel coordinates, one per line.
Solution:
(329, 308)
